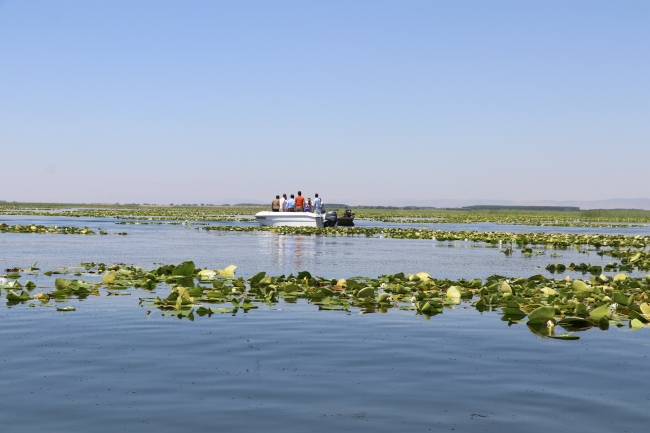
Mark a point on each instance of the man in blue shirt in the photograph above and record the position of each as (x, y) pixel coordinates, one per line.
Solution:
(291, 204)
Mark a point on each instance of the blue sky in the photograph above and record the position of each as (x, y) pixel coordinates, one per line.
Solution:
(362, 101)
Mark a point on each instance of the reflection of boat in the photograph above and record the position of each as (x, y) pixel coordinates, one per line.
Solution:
(347, 219)
(296, 219)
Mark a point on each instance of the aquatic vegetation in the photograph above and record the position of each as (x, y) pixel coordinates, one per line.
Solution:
(630, 259)
(554, 308)
(33, 228)
(143, 214)
(528, 221)
(559, 240)
(595, 218)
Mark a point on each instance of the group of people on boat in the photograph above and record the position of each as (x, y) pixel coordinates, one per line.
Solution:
(297, 204)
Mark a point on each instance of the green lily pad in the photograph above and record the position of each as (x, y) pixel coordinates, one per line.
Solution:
(580, 286)
(636, 316)
(542, 313)
(453, 292)
(600, 312)
(366, 293)
(645, 308)
(185, 269)
(636, 324)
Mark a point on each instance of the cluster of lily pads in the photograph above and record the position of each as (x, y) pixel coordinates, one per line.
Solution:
(144, 214)
(555, 308)
(33, 228)
(557, 240)
(515, 217)
(506, 221)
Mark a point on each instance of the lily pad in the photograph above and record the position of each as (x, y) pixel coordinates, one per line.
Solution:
(600, 312)
(580, 286)
(366, 293)
(542, 313)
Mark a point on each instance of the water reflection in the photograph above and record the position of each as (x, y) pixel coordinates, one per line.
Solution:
(294, 252)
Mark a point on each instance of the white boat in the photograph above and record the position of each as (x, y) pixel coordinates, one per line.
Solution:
(293, 219)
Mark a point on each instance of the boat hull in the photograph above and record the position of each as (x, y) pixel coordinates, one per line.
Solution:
(291, 219)
(346, 221)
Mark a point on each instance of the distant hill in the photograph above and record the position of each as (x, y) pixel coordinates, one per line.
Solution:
(614, 203)
(535, 208)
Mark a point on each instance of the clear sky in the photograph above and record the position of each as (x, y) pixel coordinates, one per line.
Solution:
(361, 101)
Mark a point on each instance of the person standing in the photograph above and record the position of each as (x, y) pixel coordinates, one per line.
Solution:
(291, 205)
(275, 204)
(308, 205)
(300, 202)
(318, 204)
(283, 203)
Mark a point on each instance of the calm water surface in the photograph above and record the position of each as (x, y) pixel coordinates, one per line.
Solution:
(111, 367)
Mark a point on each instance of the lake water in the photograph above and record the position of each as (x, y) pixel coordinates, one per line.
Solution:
(111, 367)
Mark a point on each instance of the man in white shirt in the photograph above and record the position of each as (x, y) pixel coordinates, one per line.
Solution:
(283, 202)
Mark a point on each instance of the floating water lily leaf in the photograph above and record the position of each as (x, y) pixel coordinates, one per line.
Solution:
(257, 278)
(366, 293)
(548, 291)
(645, 308)
(620, 277)
(513, 312)
(207, 274)
(13, 296)
(619, 298)
(108, 278)
(581, 310)
(62, 283)
(383, 297)
(636, 324)
(247, 305)
(229, 271)
(580, 286)
(505, 288)
(423, 276)
(542, 313)
(600, 312)
(634, 315)
(342, 283)
(185, 269)
(302, 275)
(68, 308)
(453, 292)
(291, 288)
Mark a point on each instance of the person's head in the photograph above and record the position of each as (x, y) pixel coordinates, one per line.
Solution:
(299, 193)
(291, 195)
(309, 200)
(277, 196)
(316, 195)
(284, 195)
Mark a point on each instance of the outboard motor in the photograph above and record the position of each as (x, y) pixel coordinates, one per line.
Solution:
(331, 219)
